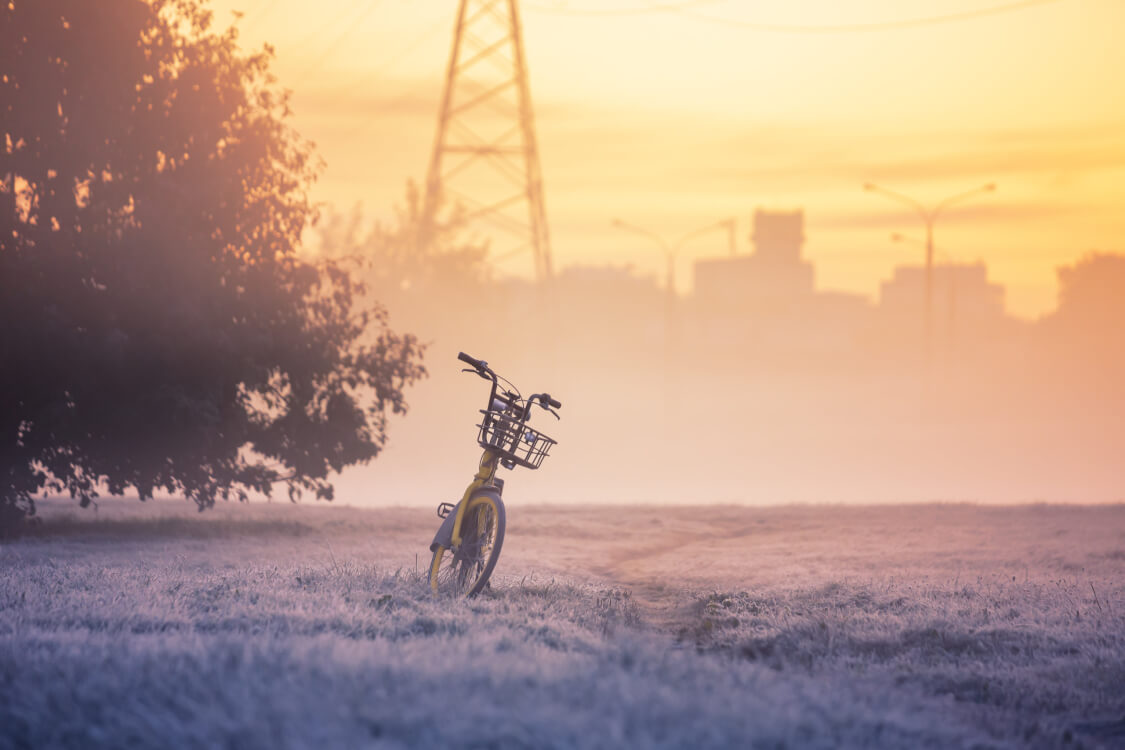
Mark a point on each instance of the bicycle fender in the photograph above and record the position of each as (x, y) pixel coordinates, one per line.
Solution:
(444, 535)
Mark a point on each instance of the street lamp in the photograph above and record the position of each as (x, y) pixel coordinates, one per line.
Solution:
(671, 336)
(671, 250)
(951, 302)
(929, 216)
(908, 240)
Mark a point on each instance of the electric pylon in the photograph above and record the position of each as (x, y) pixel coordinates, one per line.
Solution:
(485, 156)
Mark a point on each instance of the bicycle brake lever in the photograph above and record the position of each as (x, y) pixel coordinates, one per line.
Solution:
(475, 371)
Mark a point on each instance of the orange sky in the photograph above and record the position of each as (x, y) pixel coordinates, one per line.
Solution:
(672, 120)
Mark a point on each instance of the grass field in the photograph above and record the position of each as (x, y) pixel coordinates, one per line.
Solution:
(278, 626)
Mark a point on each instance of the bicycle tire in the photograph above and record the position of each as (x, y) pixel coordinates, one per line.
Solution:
(467, 571)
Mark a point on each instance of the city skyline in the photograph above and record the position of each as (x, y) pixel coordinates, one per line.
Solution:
(674, 121)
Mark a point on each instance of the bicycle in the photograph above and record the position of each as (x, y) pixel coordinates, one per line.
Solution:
(467, 544)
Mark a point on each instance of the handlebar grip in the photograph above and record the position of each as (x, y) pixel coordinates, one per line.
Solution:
(470, 361)
(552, 402)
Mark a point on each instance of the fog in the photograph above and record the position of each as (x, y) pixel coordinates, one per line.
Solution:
(759, 388)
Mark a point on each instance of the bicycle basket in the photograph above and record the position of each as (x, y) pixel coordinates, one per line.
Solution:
(513, 440)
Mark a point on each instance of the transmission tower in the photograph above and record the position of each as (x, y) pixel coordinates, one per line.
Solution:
(485, 156)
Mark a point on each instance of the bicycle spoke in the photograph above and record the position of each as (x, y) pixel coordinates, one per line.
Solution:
(461, 570)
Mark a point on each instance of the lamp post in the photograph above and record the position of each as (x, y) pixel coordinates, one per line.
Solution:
(670, 250)
(951, 302)
(670, 344)
(929, 216)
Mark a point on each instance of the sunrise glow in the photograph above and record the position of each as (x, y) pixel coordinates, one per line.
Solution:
(680, 117)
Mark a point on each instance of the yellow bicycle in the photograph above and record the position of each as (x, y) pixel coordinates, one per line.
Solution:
(467, 544)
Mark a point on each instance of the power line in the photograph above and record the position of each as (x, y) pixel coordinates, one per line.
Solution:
(652, 7)
(403, 52)
(686, 9)
(681, 8)
(334, 46)
(310, 39)
(245, 14)
(380, 70)
(260, 11)
(968, 15)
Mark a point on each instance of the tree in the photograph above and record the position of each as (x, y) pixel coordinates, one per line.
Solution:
(412, 261)
(412, 252)
(1090, 291)
(157, 328)
(1085, 329)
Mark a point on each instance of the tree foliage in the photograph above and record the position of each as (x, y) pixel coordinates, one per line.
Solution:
(414, 252)
(1090, 290)
(1084, 332)
(157, 328)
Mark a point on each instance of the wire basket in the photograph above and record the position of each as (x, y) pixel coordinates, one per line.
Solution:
(513, 440)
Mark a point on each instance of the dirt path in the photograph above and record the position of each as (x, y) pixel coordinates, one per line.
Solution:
(637, 568)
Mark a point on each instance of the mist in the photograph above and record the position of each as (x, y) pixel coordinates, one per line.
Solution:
(759, 387)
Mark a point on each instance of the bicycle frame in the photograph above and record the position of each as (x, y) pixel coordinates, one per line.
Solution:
(511, 410)
(485, 482)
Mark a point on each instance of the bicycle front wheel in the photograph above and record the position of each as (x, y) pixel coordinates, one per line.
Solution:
(465, 571)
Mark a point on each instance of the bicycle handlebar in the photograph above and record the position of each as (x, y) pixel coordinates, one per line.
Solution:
(480, 364)
(545, 400)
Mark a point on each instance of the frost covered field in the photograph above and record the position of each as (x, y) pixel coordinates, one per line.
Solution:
(275, 626)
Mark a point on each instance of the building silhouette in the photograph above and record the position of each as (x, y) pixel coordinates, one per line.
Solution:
(968, 314)
(767, 302)
(962, 291)
(774, 280)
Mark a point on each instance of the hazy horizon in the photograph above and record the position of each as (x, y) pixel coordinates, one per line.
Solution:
(672, 120)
